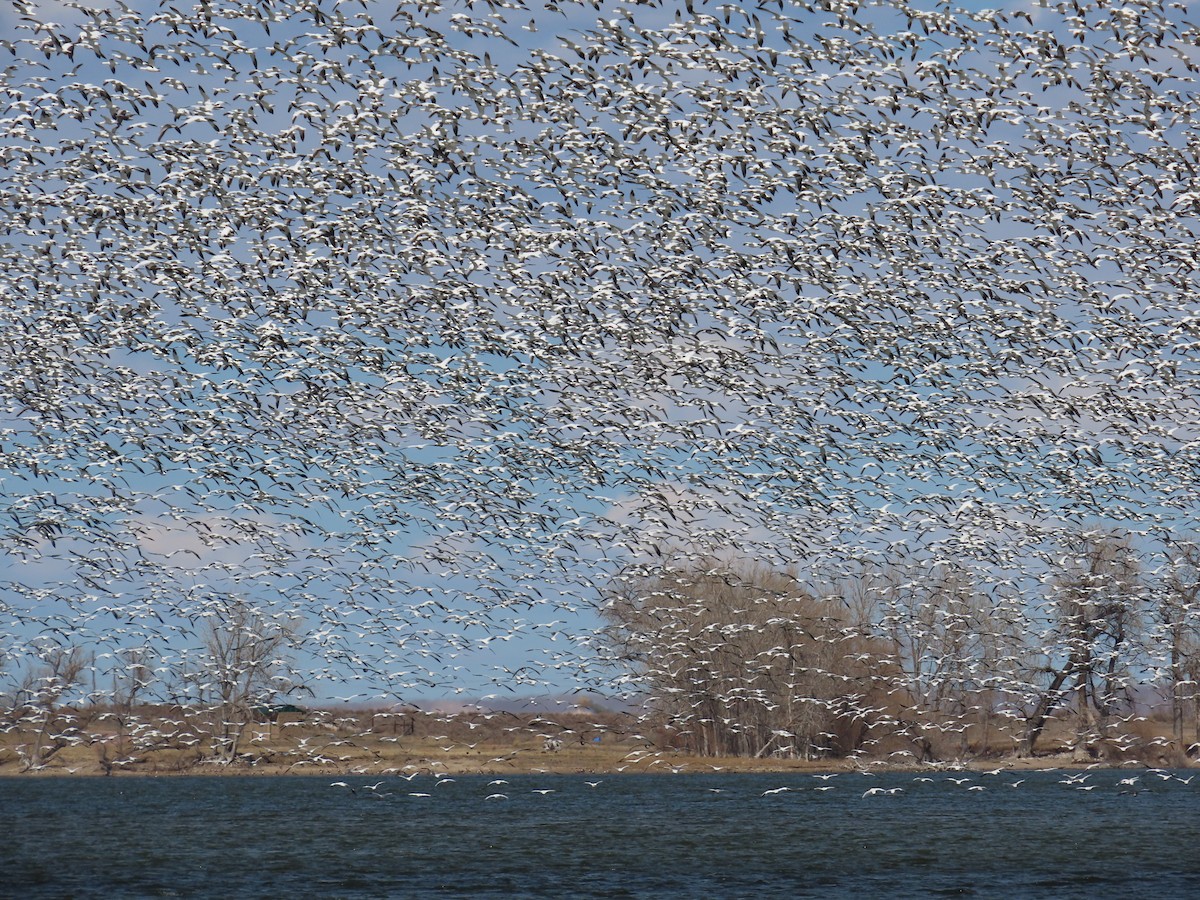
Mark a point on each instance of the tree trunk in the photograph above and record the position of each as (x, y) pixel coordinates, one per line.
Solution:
(1046, 705)
(1177, 689)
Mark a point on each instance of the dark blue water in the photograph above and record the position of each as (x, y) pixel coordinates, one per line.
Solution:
(630, 836)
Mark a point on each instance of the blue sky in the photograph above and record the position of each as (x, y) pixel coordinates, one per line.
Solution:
(427, 362)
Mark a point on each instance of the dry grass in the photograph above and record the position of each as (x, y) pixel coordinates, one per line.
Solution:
(160, 741)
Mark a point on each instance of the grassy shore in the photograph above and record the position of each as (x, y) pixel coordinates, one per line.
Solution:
(510, 761)
(380, 744)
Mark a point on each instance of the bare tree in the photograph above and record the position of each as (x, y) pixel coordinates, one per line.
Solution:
(40, 709)
(244, 666)
(948, 636)
(1098, 601)
(130, 681)
(1177, 612)
(743, 661)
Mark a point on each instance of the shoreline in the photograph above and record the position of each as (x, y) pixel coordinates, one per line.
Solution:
(652, 763)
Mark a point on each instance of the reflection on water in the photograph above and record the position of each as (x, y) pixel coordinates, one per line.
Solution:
(628, 836)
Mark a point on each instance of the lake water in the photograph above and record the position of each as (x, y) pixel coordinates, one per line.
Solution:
(629, 836)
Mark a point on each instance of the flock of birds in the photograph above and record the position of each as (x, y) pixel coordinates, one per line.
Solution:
(380, 789)
(404, 335)
(1150, 781)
